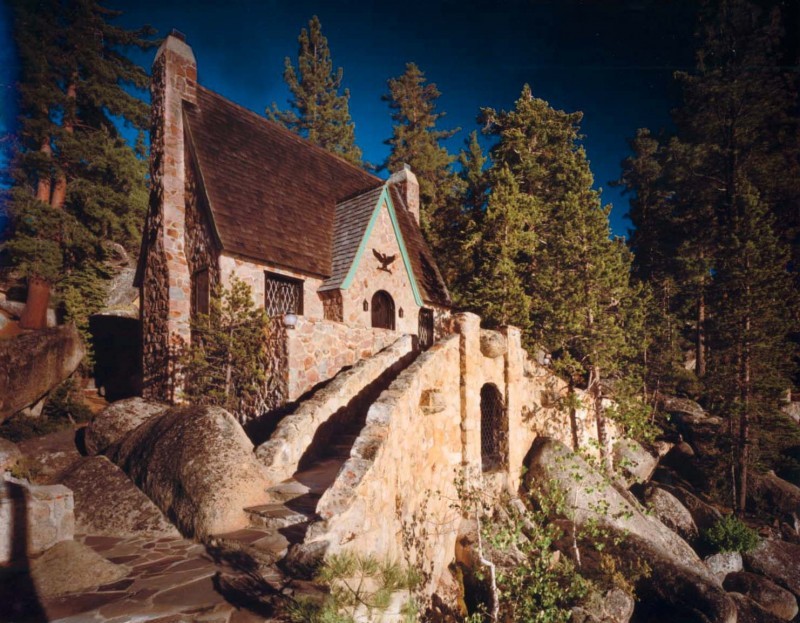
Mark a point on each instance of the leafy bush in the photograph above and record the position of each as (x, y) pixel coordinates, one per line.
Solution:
(730, 534)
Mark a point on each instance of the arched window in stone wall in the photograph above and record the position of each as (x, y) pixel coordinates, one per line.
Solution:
(494, 427)
(382, 310)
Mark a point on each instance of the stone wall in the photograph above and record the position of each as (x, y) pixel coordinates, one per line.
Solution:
(317, 349)
(393, 496)
(282, 453)
(33, 518)
(252, 273)
(201, 248)
(369, 278)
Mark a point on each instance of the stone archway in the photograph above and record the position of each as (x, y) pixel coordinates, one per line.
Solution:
(382, 310)
(494, 425)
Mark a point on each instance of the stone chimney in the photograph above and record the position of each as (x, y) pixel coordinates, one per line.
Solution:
(406, 182)
(166, 283)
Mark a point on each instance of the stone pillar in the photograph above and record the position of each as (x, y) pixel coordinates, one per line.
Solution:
(468, 326)
(408, 185)
(514, 396)
(166, 286)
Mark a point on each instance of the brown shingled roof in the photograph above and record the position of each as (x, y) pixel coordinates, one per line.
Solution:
(272, 194)
(277, 198)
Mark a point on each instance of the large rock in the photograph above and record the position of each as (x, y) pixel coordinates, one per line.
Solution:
(637, 463)
(723, 563)
(493, 343)
(678, 575)
(671, 513)
(108, 503)
(31, 364)
(777, 560)
(117, 420)
(704, 515)
(775, 496)
(748, 611)
(766, 594)
(72, 567)
(9, 455)
(198, 466)
(680, 406)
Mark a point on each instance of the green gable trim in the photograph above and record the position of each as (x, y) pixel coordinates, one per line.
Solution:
(385, 196)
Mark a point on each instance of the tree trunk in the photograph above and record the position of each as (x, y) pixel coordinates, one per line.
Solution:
(700, 342)
(602, 431)
(60, 190)
(744, 422)
(44, 183)
(35, 314)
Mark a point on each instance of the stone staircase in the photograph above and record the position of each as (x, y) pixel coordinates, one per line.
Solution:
(284, 520)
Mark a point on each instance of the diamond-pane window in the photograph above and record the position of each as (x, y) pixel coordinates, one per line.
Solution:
(282, 295)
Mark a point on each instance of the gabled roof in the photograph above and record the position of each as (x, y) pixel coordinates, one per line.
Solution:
(353, 224)
(272, 194)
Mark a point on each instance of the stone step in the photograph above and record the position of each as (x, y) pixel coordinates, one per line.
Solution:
(264, 546)
(306, 504)
(287, 490)
(274, 516)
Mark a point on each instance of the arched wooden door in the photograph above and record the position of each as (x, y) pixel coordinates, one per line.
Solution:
(382, 310)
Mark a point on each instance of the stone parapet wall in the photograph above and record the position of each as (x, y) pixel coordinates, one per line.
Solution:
(282, 453)
(33, 518)
(394, 496)
(317, 349)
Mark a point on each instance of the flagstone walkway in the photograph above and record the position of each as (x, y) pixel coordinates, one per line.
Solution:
(171, 580)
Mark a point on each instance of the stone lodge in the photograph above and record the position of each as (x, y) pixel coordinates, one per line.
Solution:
(315, 237)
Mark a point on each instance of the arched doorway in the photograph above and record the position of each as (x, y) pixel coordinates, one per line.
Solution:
(382, 310)
(494, 442)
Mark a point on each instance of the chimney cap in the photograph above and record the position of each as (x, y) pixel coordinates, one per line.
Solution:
(177, 34)
(406, 166)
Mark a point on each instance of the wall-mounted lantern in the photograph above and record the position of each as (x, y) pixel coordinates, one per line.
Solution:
(366, 305)
(290, 321)
(400, 312)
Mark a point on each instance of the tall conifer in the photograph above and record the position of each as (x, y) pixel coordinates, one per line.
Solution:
(417, 142)
(318, 111)
(77, 184)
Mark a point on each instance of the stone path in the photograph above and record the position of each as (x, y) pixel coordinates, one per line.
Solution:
(171, 580)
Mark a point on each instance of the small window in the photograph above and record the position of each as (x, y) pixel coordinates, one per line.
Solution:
(200, 292)
(282, 295)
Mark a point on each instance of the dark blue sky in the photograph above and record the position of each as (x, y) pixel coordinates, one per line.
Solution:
(613, 60)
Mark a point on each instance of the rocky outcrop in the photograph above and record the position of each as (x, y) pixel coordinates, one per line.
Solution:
(198, 466)
(71, 567)
(637, 463)
(680, 406)
(778, 561)
(108, 503)
(748, 611)
(31, 364)
(116, 421)
(678, 578)
(671, 513)
(9, 455)
(766, 594)
(704, 515)
(775, 496)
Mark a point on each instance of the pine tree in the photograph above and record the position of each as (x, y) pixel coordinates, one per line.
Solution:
(582, 305)
(416, 141)
(496, 289)
(319, 113)
(77, 184)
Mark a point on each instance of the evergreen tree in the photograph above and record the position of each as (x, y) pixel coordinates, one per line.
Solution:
(582, 305)
(319, 113)
(496, 289)
(416, 141)
(77, 184)
(226, 363)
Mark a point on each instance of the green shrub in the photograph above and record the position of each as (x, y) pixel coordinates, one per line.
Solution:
(730, 534)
